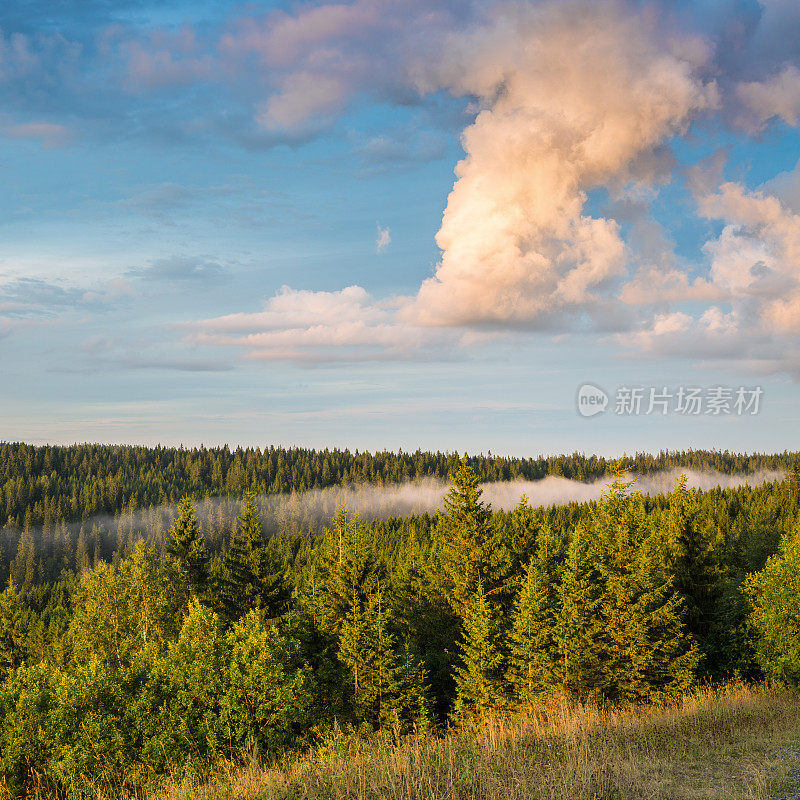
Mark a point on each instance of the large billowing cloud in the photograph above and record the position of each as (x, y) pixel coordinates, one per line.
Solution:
(573, 96)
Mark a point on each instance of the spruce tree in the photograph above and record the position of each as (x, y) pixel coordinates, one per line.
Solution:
(471, 552)
(253, 576)
(350, 571)
(647, 652)
(412, 703)
(698, 575)
(479, 685)
(524, 533)
(581, 626)
(534, 664)
(188, 547)
(366, 647)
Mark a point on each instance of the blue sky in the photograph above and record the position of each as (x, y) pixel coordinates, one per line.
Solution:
(409, 224)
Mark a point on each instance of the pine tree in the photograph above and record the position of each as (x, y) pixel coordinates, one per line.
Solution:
(188, 547)
(253, 574)
(412, 704)
(12, 635)
(479, 677)
(23, 567)
(82, 558)
(698, 575)
(535, 666)
(524, 532)
(366, 647)
(471, 552)
(647, 652)
(580, 627)
(350, 570)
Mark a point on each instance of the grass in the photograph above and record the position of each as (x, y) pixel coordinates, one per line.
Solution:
(715, 744)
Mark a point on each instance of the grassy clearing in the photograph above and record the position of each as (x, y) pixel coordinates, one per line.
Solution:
(725, 744)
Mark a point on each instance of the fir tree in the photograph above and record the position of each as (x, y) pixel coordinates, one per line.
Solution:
(188, 547)
(472, 554)
(366, 647)
(698, 575)
(350, 570)
(535, 666)
(479, 676)
(253, 574)
(23, 567)
(647, 652)
(580, 628)
(412, 703)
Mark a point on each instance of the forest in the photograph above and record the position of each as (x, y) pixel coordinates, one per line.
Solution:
(136, 647)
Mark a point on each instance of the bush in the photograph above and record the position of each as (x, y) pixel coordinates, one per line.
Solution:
(775, 617)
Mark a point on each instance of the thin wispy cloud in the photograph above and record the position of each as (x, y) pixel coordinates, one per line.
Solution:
(383, 239)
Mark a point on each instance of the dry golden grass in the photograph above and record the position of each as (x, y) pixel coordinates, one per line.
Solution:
(724, 744)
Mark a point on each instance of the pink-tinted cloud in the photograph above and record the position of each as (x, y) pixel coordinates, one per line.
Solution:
(306, 326)
(50, 135)
(517, 244)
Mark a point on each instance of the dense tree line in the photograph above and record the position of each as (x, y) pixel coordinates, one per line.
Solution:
(181, 646)
(49, 484)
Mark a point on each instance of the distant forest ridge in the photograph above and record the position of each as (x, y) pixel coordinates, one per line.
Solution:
(45, 485)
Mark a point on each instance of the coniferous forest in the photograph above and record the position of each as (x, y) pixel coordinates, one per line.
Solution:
(136, 644)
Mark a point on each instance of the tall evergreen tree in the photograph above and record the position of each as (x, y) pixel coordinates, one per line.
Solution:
(647, 650)
(366, 647)
(188, 547)
(472, 554)
(534, 663)
(479, 685)
(412, 704)
(698, 575)
(254, 575)
(580, 627)
(24, 565)
(350, 572)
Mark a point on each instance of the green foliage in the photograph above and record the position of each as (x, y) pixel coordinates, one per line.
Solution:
(113, 660)
(479, 687)
(270, 695)
(472, 554)
(119, 609)
(189, 549)
(775, 616)
(253, 571)
(351, 571)
(581, 626)
(534, 663)
(693, 551)
(645, 649)
(64, 725)
(366, 647)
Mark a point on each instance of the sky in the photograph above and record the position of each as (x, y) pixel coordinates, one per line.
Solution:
(386, 224)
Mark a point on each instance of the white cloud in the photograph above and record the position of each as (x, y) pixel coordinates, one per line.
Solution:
(568, 98)
(517, 244)
(384, 239)
(305, 326)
